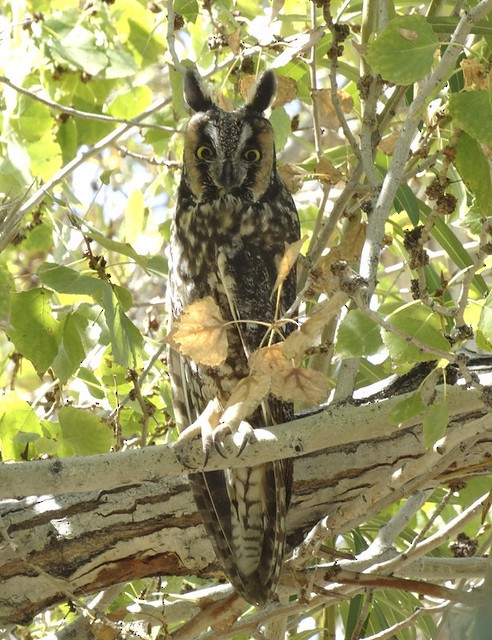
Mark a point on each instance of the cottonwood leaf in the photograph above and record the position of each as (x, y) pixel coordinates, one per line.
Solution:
(435, 422)
(327, 173)
(292, 176)
(300, 385)
(286, 91)
(310, 333)
(200, 333)
(246, 396)
(269, 360)
(288, 260)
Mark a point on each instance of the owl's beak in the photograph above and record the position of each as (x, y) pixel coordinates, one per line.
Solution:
(228, 179)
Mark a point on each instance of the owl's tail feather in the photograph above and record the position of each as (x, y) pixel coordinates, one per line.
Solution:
(244, 512)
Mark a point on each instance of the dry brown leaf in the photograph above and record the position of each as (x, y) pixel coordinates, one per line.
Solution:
(292, 176)
(310, 332)
(327, 173)
(409, 34)
(300, 385)
(286, 91)
(388, 143)
(348, 250)
(246, 84)
(297, 45)
(234, 41)
(326, 111)
(200, 333)
(269, 360)
(246, 396)
(277, 6)
(476, 76)
(288, 260)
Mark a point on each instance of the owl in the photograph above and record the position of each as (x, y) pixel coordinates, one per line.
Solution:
(232, 220)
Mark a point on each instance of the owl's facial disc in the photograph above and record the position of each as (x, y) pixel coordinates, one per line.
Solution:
(229, 154)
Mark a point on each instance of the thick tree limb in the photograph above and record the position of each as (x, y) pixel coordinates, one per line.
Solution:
(341, 424)
(148, 525)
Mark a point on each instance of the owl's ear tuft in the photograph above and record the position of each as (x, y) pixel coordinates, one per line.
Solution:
(263, 93)
(195, 96)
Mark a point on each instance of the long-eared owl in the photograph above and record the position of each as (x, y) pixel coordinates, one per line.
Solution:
(232, 220)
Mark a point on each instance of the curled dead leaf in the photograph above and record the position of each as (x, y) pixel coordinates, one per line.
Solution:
(234, 41)
(288, 260)
(292, 176)
(327, 173)
(200, 333)
(349, 249)
(246, 396)
(476, 75)
(310, 332)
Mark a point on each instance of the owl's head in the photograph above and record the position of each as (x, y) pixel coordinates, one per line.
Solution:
(229, 153)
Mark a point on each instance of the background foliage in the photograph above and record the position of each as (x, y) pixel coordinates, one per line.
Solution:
(91, 120)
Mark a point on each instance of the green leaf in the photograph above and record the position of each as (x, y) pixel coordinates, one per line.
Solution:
(122, 248)
(483, 334)
(92, 383)
(46, 157)
(417, 325)
(134, 218)
(406, 409)
(435, 422)
(18, 425)
(121, 64)
(38, 239)
(72, 350)
(473, 167)
(406, 200)
(35, 332)
(65, 280)
(404, 50)
(444, 234)
(83, 433)
(32, 120)
(358, 336)
(471, 111)
(187, 8)
(282, 127)
(6, 287)
(129, 104)
(79, 48)
(126, 340)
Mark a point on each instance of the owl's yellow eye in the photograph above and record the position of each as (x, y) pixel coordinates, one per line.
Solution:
(204, 153)
(252, 155)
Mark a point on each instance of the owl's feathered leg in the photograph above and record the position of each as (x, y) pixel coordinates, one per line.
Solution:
(202, 429)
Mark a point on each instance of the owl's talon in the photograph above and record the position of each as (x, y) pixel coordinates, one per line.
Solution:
(241, 436)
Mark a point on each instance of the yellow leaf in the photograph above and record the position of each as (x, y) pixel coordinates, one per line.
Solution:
(288, 260)
(246, 396)
(200, 333)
